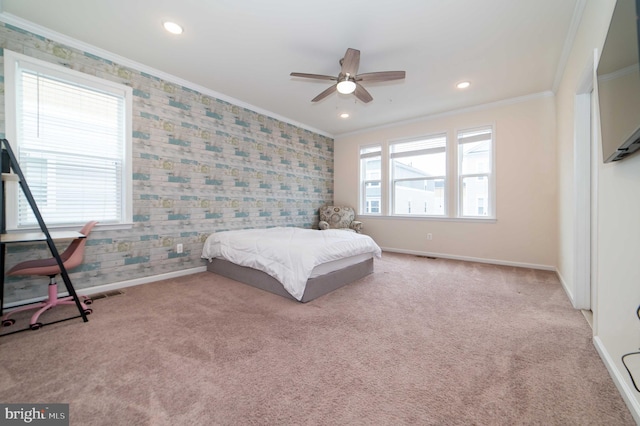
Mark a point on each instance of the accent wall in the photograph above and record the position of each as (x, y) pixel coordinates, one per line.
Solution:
(200, 164)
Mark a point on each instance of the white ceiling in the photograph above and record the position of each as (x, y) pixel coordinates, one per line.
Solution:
(245, 49)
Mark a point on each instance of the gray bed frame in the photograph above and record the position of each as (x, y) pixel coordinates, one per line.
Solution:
(316, 287)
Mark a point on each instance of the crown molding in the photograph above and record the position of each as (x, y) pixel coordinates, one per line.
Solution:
(568, 43)
(39, 30)
(619, 73)
(481, 107)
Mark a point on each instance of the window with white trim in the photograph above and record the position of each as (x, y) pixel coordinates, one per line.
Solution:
(475, 172)
(370, 178)
(72, 137)
(418, 176)
(436, 176)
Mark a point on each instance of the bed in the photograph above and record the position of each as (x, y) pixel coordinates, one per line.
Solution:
(300, 264)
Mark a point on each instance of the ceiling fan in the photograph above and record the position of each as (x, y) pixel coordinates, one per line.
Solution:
(348, 81)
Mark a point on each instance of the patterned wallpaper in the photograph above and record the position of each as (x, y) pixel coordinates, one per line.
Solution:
(200, 165)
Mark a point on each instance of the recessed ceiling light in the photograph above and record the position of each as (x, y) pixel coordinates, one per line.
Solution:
(172, 27)
(463, 85)
(344, 115)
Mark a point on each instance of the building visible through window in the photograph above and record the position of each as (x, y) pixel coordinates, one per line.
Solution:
(421, 180)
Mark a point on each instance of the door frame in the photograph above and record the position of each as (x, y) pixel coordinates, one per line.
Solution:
(584, 168)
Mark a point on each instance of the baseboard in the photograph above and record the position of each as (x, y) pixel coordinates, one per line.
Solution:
(588, 315)
(566, 288)
(618, 378)
(145, 280)
(114, 286)
(471, 259)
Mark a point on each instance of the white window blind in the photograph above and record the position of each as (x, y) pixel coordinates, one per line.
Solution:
(71, 146)
(432, 145)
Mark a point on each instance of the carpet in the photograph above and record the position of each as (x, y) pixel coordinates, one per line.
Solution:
(420, 341)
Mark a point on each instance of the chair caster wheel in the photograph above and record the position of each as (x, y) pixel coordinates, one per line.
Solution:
(8, 322)
(88, 311)
(36, 326)
(88, 301)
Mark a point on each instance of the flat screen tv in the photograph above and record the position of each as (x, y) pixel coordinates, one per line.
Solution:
(619, 84)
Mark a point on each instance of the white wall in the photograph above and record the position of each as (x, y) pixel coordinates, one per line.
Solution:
(525, 232)
(617, 283)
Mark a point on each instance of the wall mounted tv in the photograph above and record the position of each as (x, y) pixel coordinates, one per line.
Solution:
(619, 84)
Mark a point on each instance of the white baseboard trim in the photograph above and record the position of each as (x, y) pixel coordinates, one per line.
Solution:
(144, 280)
(618, 378)
(471, 259)
(567, 290)
(114, 286)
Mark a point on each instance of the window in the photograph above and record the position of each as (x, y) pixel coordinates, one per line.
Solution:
(435, 176)
(373, 206)
(481, 207)
(71, 135)
(418, 176)
(475, 159)
(370, 177)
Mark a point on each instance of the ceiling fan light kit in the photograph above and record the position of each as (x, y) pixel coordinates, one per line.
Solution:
(348, 81)
(346, 86)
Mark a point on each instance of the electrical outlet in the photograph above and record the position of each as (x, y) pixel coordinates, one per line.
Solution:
(179, 248)
(429, 236)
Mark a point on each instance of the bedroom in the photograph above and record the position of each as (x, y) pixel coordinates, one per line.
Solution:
(535, 188)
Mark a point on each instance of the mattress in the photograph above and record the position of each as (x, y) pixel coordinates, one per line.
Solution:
(336, 265)
(315, 287)
(290, 255)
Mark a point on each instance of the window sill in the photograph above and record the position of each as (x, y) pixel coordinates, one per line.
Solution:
(98, 228)
(431, 218)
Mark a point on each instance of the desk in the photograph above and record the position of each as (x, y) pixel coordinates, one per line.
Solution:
(28, 237)
(11, 177)
(10, 164)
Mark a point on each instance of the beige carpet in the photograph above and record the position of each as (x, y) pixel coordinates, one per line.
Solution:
(421, 341)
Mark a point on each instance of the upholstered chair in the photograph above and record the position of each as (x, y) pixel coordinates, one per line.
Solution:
(339, 217)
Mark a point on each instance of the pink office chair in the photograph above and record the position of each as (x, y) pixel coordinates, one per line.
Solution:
(71, 258)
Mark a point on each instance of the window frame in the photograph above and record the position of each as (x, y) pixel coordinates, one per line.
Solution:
(452, 179)
(362, 195)
(14, 61)
(490, 201)
(445, 177)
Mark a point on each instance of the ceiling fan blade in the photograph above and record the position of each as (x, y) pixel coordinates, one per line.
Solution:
(316, 76)
(350, 62)
(326, 93)
(362, 94)
(381, 76)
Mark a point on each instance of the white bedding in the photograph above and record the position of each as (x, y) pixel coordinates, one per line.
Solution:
(287, 254)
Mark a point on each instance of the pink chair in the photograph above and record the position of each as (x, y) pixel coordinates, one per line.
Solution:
(71, 258)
